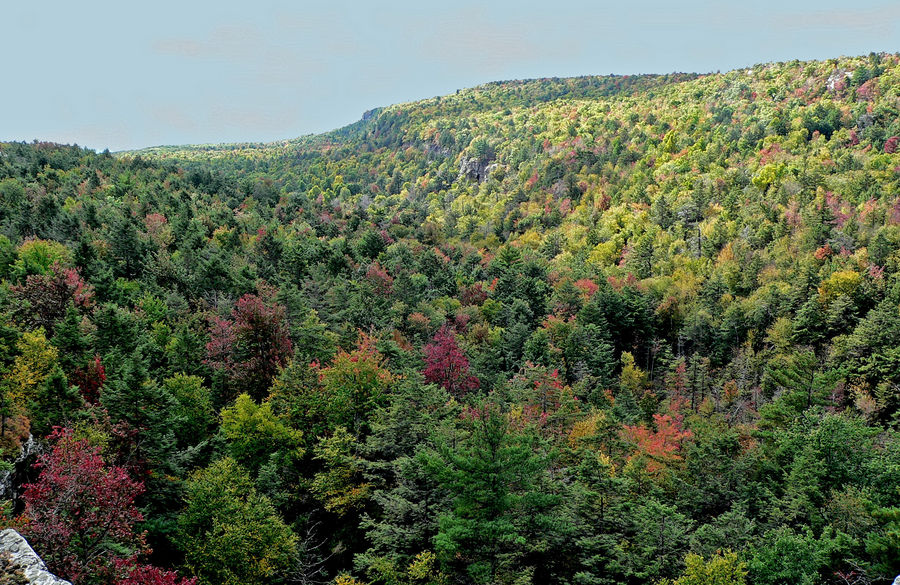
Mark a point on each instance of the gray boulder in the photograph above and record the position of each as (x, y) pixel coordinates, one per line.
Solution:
(22, 556)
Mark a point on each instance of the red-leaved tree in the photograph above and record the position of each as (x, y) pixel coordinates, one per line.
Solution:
(447, 365)
(43, 298)
(251, 346)
(80, 517)
(80, 514)
(131, 574)
(90, 379)
(661, 447)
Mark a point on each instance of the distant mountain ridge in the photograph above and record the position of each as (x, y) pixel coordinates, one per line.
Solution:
(535, 91)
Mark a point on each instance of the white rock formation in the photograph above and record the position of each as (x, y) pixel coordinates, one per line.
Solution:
(24, 557)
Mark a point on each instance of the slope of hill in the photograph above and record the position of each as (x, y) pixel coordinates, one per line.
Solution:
(597, 330)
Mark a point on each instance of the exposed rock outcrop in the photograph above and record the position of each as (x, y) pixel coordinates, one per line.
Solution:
(476, 169)
(369, 114)
(22, 471)
(837, 81)
(23, 557)
(21, 466)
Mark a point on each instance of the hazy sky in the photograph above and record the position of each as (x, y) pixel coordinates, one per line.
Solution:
(119, 74)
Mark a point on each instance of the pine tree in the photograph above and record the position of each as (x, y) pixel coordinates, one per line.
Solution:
(54, 403)
(660, 541)
(408, 499)
(495, 476)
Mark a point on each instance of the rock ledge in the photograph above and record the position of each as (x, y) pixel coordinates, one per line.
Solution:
(24, 557)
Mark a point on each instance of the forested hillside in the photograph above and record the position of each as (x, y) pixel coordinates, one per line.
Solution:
(639, 329)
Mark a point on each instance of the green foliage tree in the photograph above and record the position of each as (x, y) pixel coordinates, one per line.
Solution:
(230, 533)
(800, 385)
(193, 408)
(494, 474)
(355, 383)
(408, 499)
(659, 541)
(255, 435)
(36, 257)
(54, 404)
(784, 556)
(340, 486)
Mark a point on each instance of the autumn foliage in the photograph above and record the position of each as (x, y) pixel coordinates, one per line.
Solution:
(130, 574)
(80, 513)
(662, 446)
(251, 346)
(90, 379)
(446, 364)
(81, 517)
(45, 297)
(664, 324)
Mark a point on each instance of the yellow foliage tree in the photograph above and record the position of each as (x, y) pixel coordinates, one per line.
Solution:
(32, 366)
(632, 377)
(842, 282)
(721, 569)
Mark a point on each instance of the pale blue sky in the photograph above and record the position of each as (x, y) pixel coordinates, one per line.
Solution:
(122, 74)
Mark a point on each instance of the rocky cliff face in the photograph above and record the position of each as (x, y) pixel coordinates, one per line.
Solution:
(476, 169)
(22, 471)
(20, 565)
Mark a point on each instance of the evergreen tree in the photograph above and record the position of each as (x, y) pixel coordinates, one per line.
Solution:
(495, 475)
(408, 499)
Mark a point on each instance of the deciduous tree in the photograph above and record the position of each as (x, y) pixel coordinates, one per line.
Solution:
(231, 534)
(251, 346)
(446, 364)
(80, 514)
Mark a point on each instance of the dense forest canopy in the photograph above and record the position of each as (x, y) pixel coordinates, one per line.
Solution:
(623, 329)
